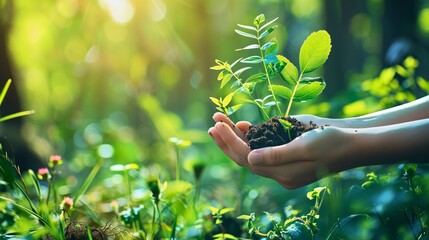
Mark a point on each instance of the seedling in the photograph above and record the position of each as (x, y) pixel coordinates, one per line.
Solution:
(285, 83)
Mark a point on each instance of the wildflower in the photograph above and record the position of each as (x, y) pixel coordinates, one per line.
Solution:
(55, 160)
(43, 174)
(66, 204)
(115, 206)
(198, 167)
(153, 184)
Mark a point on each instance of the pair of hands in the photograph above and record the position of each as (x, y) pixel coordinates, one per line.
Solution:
(306, 159)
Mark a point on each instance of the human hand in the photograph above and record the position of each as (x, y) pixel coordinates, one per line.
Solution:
(306, 159)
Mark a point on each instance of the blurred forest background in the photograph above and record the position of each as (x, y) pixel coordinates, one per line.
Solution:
(117, 78)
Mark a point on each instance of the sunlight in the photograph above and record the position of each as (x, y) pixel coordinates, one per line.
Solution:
(121, 11)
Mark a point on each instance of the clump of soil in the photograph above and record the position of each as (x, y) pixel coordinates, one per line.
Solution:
(272, 132)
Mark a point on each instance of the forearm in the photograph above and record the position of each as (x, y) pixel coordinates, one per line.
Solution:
(404, 142)
(418, 109)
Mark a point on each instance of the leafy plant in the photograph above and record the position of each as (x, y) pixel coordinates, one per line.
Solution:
(293, 84)
(294, 227)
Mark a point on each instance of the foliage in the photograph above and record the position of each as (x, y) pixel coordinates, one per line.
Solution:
(296, 88)
(294, 227)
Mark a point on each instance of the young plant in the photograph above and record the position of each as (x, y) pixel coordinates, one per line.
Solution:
(285, 83)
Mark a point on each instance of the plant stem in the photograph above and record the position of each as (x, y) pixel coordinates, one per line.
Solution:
(250, 95)
(127, 179)
(292, 96)
(178, 164)
(266, 72)
(51, 186)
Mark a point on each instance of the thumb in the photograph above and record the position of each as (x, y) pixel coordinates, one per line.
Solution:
(265, 156)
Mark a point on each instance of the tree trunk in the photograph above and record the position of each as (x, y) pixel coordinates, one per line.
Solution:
(12, 141)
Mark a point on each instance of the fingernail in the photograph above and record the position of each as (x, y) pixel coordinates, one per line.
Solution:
(255, 157)
(210, 132)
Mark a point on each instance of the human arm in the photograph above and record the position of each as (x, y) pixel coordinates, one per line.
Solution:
(320, 152)
(418, 109)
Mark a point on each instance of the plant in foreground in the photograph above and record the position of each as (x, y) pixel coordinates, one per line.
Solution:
(293, 84)
(295, 227)
(51, 217)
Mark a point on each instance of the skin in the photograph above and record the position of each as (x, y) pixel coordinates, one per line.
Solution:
(399, 134)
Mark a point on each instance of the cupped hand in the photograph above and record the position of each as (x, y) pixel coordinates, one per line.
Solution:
(306, 159)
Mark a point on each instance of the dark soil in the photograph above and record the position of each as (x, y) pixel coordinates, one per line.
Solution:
(272, 133)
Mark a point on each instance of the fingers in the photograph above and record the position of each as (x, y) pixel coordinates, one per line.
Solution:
(230, 143)
(278, 155)
(243, 126)
(219, 142)
(220, 117)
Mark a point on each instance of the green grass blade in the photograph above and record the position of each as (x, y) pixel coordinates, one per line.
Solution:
(89, 180)
(16, 115)
(27, 210)
(4, 91)
(89, 233)
(36, 183)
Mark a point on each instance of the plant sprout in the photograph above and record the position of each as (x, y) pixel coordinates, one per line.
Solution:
(293, 86)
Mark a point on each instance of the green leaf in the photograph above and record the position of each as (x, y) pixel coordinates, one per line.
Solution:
(271, 47)
(217, 67)
(270, 58)
(88, 180)
(244, 217)
(235, 84)
(281, 91)
(252, 46)
(268, 31)
(225, 80)
(221, 110)
(289, 72)
(247, 27)
(245, 34)
(232, 65)
(308, 91)
(259, 77)
(227, 99)
(4, 91)
(224, 236)
(16, 115)
(259, 19)
(239, 71)
(306, 80)
(266, 45)
(36, 183)
(252, 60)
(269, 104)
(222, 74)
(215, 101)
(285, 124)
(247, 88)
(234, 108)
(314, 51)
(226, 210)
(268, 23)
(315, 193)
(423, 84)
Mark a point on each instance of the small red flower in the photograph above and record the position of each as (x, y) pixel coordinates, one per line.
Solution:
(66, 204)
(43, 174)
(55, 160)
